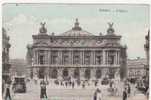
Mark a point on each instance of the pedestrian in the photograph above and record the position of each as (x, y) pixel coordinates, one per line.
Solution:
(128, 89)
(96, 83)
(83, 85)
(95, 95)
(72, 84)
(3, 86)
(43, 93)
(7, 95)
(66, 84)
(99, 95)
(147, 94)
(125, 94)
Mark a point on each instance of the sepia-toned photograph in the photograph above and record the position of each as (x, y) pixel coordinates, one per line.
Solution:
(67, 51)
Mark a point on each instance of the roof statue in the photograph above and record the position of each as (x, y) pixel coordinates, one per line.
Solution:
(110, 30)
(43, 28)
(76, 25)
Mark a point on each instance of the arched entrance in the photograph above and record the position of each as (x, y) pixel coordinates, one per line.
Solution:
(76, 73)
(54, 73)
(98, 73)
(111, 73)
(87, 73)
(65, 73)
(41, 73)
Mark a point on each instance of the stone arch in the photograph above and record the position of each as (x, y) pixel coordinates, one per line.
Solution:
(41, 73)
(98, 73)
(111, 73)
(87, 73)
(65, 72)
(54, 73)
(76, 73)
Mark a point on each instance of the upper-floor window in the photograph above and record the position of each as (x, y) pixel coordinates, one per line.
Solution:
(54, 57)
(41, 57)
(98, 57)
(111, 57)
(87, 57)
(76, 57)
(99, 60)
(111, 60)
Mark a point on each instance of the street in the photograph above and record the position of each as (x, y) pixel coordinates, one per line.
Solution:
(61, 93)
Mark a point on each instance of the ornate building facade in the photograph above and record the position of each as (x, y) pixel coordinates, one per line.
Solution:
(76, 54)
(136, 68)
(5, 56)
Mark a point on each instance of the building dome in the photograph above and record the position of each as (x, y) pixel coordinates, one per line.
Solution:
(76, 31)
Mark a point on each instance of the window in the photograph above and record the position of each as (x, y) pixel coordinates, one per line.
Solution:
(54, 57)
(111, 57)
(98, 60)
(111, 60)
(65, 58)
(41, 57)
(87, 60)
(76, 57)
(87, 57)
(98, 57)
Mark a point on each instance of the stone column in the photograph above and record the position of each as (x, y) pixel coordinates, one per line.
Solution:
(82, 71)
(46, 57)
(47, 73)
(60, 56)
(81, 62)
(60, 76)
(93, 73)
(118, 57)
(115, 58)
(35, 57)
(71, 72)
(94, 57)
(91, 58)
(83, 57)
(49, 57)
(34, 72)
(50, 71)
(107, 56)
(71, 57)
(104, 57)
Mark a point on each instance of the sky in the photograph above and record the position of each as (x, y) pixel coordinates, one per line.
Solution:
(23, 20)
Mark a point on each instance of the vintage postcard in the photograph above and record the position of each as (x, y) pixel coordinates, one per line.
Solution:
(67, 51)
